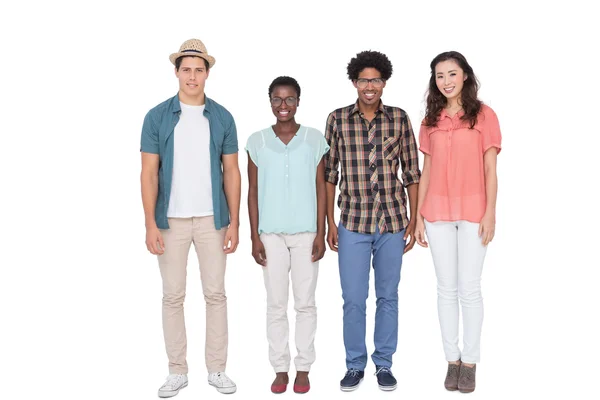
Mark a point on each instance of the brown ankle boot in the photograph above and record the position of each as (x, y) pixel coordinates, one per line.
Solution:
(451, 382)
(466, 379)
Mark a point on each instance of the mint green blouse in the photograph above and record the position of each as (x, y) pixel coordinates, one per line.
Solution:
(287, 190)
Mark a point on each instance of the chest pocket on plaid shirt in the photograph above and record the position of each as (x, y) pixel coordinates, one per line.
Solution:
(391, 147)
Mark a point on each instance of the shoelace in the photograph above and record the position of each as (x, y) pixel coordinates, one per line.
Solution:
(222, 379)
(352, 372)
(382, 369)
(172, 382)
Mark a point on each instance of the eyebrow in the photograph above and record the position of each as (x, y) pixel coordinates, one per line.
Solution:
(452, 70)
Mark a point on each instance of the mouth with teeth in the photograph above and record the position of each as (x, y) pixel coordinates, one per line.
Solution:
(449, 90)
(369, 95)
(283, 113)
(192, 85)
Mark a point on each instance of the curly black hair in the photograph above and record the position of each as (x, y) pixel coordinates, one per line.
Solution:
(370, 59)
(284, 81)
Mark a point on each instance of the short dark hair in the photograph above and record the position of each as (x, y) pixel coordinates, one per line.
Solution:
(370, 59)
(178, 62)
(284, 81)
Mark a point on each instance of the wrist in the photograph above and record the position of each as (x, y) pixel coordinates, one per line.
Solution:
(234, 222)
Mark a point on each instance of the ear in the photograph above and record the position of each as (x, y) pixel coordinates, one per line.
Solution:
(207, 72)
(176, 72)
(466, 77)
(354, 83)
(298, 102)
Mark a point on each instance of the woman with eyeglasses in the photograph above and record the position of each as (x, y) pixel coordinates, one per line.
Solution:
(286, 206)
(460, 138)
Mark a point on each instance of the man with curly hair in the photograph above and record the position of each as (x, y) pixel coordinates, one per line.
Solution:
(371, 141)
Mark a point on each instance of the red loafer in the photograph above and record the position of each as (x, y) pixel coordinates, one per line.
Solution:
(279, 388)
(301, 388)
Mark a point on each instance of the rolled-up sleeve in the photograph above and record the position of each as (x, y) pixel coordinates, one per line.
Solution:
(409, 156)
(149, 140)
(230, 141)
(331, 157)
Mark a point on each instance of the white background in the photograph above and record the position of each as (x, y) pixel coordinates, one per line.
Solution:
(80, 296)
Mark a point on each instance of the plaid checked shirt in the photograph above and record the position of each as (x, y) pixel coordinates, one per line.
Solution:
(371, 195)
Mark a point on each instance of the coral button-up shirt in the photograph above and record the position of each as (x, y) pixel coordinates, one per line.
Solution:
(456, 188)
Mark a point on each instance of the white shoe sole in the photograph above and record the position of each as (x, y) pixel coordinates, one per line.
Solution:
(387, 388)
(351, 388)
(164, 394)
(227, 390)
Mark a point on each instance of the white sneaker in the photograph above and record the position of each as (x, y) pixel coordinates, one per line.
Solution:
(174, 383)
(221, 381)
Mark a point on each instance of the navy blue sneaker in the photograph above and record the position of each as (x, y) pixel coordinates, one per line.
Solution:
(351, 380)
(385, 379)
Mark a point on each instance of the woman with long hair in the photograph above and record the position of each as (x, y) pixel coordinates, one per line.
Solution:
(460, 139)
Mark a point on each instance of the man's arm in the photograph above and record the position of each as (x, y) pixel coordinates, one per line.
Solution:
(149, 183)
(232, 184)
(331, 161)
(409, 158)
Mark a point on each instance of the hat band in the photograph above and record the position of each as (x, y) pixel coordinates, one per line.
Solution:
(195, 51)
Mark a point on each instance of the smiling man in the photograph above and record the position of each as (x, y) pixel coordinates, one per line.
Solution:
(370, 140)
(191, 194)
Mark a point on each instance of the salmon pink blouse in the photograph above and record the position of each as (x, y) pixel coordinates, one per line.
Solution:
(456, 188)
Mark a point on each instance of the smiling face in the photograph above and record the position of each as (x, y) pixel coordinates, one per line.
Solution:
(284, 102)
(449, 79)
(370, 94)
(192, 74)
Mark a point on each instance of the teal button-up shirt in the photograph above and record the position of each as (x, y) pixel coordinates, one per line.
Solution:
(158, 138)
(287, 190)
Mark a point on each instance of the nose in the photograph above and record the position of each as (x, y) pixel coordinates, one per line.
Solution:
(446, 80)
(193, 75)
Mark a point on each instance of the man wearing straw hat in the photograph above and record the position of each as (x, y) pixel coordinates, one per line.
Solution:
(191, 194)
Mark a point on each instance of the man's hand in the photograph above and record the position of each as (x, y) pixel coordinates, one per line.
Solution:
(231, 239)
(410, 231)
(154, 241)
(332, 237)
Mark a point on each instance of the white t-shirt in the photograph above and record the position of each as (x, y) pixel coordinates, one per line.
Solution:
(191, 190)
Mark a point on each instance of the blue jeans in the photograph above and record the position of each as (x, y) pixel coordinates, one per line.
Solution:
(354, 259)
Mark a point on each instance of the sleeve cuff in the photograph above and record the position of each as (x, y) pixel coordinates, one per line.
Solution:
(410, 177)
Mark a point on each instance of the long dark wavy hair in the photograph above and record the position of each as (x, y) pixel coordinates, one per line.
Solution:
(436, 101)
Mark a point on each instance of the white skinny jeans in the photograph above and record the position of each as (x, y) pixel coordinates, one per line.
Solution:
(458, 256)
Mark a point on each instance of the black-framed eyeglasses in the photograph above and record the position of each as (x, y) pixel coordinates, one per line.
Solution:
(290, 101)
(363, 82)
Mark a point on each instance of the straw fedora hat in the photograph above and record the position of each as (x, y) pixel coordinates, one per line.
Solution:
(193, 47)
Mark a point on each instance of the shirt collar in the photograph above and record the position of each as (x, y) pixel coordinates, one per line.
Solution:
(176, 106)
(382, 108)
(444, 114)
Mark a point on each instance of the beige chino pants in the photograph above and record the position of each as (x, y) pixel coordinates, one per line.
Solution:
(285, 254)
(208, 243)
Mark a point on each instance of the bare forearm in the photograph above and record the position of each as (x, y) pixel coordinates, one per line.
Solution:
(413, 194)
(253, 211)
(321, 207)
(491, 191)
(423, 185)
(232, 186)
(330, 189)
(149, 194)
